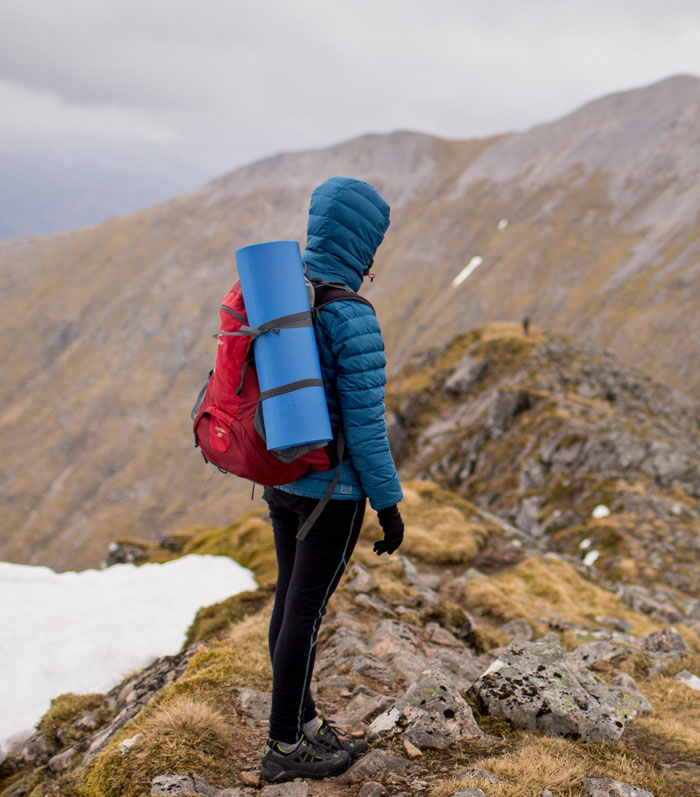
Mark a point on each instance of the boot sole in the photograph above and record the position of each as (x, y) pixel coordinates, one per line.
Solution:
(276, 774)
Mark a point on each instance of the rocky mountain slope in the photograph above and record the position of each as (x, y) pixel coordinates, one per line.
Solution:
(585, 455)
(587, 225)
(476, 662)
(539, 633)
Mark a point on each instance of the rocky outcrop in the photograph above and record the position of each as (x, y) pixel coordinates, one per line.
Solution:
(541, 432)
(125, 702)
(534, 686)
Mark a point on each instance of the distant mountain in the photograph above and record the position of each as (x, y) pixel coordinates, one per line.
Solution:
(587, 225)
(49, 189)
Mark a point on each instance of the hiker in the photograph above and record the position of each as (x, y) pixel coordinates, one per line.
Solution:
(347, 222)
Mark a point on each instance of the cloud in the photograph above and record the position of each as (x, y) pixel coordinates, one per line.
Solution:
(234, 80)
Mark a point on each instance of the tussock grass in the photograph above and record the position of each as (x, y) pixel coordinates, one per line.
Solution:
(182, 729)
(67, 708)
(240, 658)
(211, 622)
(540, 762)
(541, 586)
(184, 735)
(676, 717)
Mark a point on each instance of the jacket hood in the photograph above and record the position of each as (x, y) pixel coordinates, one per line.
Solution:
(347, 222)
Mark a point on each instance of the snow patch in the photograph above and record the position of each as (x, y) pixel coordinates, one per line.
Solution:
(471, 266)
(601, 511)
(83, 632)
(591, 558)
(502, 224)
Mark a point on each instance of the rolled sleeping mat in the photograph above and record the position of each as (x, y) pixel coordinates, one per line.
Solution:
(286, 359)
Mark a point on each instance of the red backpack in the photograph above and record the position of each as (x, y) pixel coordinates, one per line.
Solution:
(227, 415)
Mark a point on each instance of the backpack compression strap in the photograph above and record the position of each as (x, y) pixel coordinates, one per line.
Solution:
(321, 505)
(291, 321)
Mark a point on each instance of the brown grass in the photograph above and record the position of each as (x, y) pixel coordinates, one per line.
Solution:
(560, 765)
(184, 735)
(540, 586)
(440, 527)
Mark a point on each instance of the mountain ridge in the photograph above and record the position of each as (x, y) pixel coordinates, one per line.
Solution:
(106, 330)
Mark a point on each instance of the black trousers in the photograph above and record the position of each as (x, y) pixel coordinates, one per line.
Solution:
(309, 572)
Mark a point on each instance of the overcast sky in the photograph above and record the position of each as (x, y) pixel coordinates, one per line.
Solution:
(225, 82)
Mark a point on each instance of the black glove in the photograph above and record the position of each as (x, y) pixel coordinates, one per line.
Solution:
(392, 526)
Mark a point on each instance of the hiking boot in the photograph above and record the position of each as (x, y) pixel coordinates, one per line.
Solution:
(327, 736)
(308, 760)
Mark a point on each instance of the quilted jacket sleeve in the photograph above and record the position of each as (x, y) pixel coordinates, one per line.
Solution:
(354, 364)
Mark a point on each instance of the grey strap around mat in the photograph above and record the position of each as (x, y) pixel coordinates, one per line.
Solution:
(289, 387)
(321, 505)
(291, 321)
(302, 319)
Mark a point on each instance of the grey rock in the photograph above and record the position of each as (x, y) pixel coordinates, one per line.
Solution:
(88, 722)
(61, 761)
(359, 580)
(372, 789)
(585, 655)
(292, 789)
(629, 685)
(37, 751)
(374, 668)
(334, 683)
(687, 677)
(463, 667)
(254, 703)
(362, 708)
(409, 572)
(431, 714)
(118, 553)
(467, 373)
(478, 774)
(373, 603)
(546, 793)
(408, 665)
(441, 636)
(206, 790)
(469, 793)
(532, 685)
(391, 637)
(517, 628)
(528, 515)
(130, 696)
(125, 747)
(181, 785)
(372, 765)
(666, 644)
(599, 787)
(503, 410)
(616, 623)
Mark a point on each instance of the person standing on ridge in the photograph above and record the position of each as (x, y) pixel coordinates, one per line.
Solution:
(347, 222)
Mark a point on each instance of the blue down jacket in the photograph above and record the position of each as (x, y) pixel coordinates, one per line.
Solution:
(347, 222)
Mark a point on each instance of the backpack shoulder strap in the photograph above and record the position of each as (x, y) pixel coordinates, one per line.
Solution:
(327, 292)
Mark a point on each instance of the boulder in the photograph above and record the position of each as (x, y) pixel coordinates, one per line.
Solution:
(373, 765)
(431, 714)
(665, 644)
(592, 652)
(687, 677)
(532, 685)
(599, 787)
